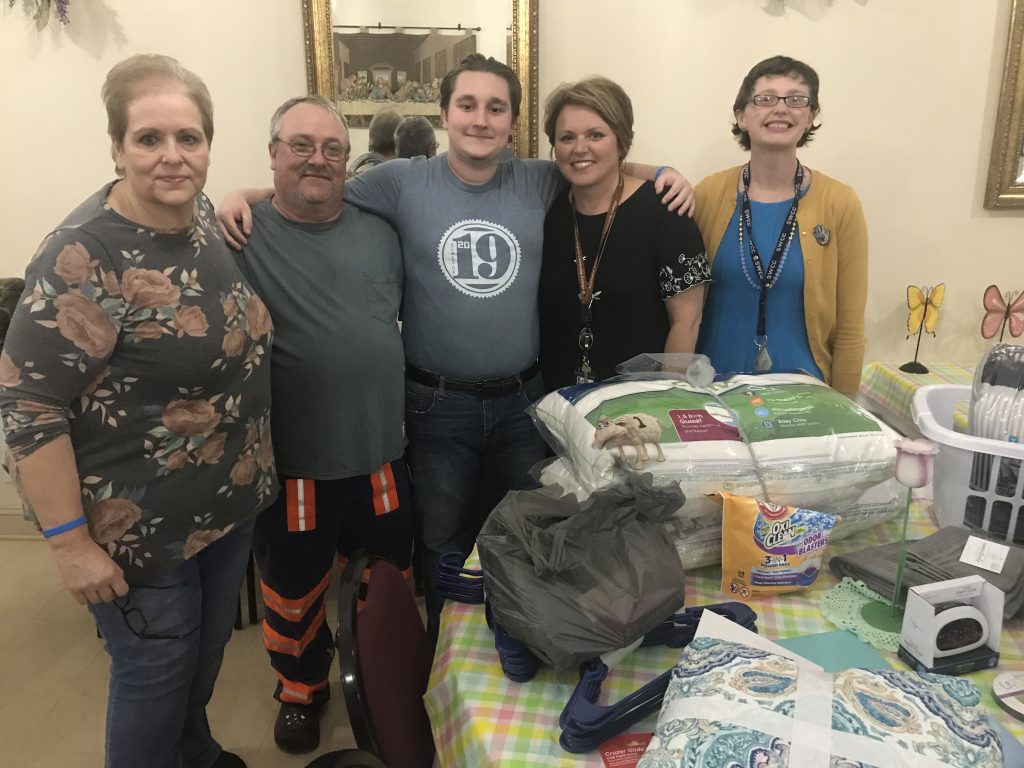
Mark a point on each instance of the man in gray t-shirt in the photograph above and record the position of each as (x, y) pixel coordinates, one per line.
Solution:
(331, 276)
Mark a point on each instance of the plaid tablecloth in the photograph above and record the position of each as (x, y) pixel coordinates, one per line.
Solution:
(888, 392)
(481, 719)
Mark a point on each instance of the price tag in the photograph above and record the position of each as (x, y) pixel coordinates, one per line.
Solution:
(986, 554)
(624, 750)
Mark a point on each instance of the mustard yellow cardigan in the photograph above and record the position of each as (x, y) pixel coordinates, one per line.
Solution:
(835, 274)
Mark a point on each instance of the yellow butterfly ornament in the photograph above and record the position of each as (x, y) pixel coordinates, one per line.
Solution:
(923, 316)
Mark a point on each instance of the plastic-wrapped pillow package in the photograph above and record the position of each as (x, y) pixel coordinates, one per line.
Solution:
(786, 438)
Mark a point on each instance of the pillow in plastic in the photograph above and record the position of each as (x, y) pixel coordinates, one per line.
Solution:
(787, 438)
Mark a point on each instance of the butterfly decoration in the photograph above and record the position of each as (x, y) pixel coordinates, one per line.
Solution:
(923, 316)
(1000, 311)
(924, 304)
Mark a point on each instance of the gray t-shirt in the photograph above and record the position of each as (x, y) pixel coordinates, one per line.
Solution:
(334, 290)
(472, 260)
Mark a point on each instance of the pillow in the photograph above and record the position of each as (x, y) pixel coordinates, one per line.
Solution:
(786, 438)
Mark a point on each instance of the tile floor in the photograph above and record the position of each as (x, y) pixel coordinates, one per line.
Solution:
(53, 677)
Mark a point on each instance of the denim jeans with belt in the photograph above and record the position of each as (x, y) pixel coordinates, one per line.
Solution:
(466, 451)
(166, 642)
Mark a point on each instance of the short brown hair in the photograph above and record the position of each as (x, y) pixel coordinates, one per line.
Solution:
(776, 66)
(600, 95)
(476, 62)
(129, 79)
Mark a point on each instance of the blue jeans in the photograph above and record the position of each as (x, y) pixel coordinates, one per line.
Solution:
(465, 453)
(160, 683)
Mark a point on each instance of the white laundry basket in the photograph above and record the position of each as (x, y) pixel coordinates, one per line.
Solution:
(978, 483)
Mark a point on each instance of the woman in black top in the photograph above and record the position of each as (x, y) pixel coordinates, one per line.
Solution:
(618, 265)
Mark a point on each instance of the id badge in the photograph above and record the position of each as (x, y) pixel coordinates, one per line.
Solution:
(584, 373)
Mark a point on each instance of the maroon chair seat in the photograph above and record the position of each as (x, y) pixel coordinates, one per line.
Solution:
(385, 660)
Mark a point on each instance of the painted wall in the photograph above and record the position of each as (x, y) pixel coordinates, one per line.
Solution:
(54, 150)
(909, 91)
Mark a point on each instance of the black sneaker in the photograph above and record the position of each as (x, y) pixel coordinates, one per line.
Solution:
(297, 728)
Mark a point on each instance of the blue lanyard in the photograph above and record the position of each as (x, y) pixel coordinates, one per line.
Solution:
(767, 280)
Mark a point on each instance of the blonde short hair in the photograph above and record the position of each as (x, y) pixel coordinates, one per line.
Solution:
(129, 79)
(602, 96)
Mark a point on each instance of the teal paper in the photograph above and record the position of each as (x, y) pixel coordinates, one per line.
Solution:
(836, 651)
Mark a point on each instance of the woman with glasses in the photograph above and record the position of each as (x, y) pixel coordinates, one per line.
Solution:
(788, 246)
(621, 274)
(135, 396)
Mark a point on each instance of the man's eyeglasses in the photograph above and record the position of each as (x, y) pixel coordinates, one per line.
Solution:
(332, 152)
(136, 621)
(796, 100)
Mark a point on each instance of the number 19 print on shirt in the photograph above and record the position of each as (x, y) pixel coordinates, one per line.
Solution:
(480, 258)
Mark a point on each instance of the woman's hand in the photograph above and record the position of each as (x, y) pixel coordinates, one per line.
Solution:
(678, 193)
(86, 569)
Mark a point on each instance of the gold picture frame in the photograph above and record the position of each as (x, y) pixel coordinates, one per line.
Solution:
(1005, 188)
(317, 28)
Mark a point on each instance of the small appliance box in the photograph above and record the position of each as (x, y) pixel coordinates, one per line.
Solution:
(952, 627)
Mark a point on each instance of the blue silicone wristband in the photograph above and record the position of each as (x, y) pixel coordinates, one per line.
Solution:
(70, 525)
(657, 173)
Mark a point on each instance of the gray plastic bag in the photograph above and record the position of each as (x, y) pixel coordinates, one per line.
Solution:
(574, 581)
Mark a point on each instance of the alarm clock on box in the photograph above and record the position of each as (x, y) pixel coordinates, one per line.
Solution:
(952, 627)
(959, 628)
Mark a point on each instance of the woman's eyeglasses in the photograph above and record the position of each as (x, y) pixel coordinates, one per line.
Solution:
(136, 621)
(796, 100)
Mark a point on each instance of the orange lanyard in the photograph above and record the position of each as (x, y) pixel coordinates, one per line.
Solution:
(586, 283)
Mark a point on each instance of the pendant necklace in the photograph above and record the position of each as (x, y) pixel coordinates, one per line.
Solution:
(766, 278)
(585, 341)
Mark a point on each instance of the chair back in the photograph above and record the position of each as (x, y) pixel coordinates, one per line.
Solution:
(10, 293)
(346, 758)
(385, 664)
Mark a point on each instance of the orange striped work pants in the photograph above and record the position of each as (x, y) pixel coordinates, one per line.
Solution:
(296, 542)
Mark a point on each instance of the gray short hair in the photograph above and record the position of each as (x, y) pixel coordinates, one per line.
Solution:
(415, 136)
(382, 131)
(316, 100)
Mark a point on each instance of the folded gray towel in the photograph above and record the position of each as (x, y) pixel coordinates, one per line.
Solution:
(933, 558)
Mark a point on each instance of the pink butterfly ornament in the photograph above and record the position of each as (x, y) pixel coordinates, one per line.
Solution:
(1002, 311)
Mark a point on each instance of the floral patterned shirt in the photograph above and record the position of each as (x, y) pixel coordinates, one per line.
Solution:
(150, 351)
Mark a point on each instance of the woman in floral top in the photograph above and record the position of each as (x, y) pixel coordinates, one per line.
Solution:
(135, 396)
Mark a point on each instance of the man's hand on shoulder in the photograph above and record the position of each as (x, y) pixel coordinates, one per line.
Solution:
(234, 214)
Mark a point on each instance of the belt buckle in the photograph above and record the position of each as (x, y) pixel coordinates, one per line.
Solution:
(502, 386)
(488, 387)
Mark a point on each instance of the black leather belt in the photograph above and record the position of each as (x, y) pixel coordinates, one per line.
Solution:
(486, 387)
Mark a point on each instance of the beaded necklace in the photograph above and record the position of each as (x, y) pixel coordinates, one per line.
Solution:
(766, 278)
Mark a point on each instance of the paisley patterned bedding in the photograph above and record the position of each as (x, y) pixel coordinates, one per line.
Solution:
(732, 706)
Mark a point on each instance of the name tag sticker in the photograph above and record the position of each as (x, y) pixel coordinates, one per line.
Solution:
(986, 554)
